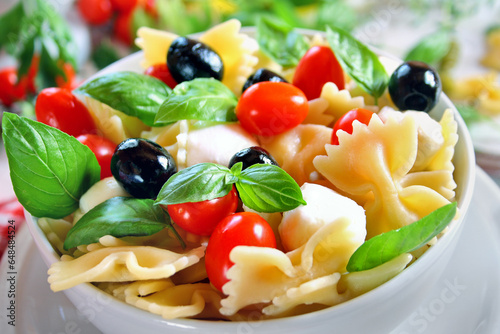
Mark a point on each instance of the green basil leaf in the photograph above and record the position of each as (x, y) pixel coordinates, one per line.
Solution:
(386, 246)
(203, 99)
(196, 183)
(432, 48)
(268, 188)
(281, 42)
(132, 93)
(360, 63)
(119, 217)
(49, 169)
(10, 24)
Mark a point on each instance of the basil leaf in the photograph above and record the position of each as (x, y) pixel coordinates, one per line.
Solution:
(197, 183)
(360, 63)
(432, 48)
(49, 169)
(280, 42)
(10, 24)
(268, 188)
(132, 93)
(203, 99)
(389, 245)
(119, 217)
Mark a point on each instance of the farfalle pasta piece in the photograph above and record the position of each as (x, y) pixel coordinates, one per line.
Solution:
(155, 44)
(99, 192)
(317, 113)
(322, 290)
(265, 275)
(114, 125)
(380, 155)
(176, 301)
(55, 230)
(236, 51)
(120, 264)
(295, 149)
(339, 101)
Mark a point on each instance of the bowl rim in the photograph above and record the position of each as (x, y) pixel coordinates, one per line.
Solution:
(383, 291)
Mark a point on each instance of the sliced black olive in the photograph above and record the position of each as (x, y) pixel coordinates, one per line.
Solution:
(188, 59)
(260, 75)
(251, 156)
(415, 85)
(142, 167)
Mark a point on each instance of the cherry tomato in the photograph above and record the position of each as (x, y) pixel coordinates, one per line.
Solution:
(150, 8)
(10, 90)
(59, 108)
(161, 71)
(345, 122)
(317, 67)
(122, 28)
(201, 218)
(123, 5)
(270, 108)
(103, 149)
(96, 12)
(70, 81)
(239, 229)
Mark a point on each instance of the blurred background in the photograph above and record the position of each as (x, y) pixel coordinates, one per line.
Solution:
(49, 43)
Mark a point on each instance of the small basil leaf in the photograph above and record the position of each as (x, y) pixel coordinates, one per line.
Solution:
(49, 169)
(203, 99)
(432, 48)
(360, 63)
(197, 183)
(132, 93)
(281, 42)
(386, 246)
(268, 188)
(119, 217)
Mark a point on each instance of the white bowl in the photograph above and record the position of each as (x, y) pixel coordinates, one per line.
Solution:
(378, 311)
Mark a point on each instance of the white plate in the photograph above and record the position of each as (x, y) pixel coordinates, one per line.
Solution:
(466, 299)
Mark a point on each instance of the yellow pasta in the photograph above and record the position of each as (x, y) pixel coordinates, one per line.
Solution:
(236, 51)
(155, 44)
(295, 149)
(120, 264)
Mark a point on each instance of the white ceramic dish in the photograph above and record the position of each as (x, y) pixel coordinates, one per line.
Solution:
(470, 308)
(380, 310)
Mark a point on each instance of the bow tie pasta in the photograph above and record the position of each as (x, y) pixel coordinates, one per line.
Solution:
(375, 164)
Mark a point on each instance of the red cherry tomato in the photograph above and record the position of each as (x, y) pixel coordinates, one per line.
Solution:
(345, 122)
(201, 218)
(59, 108)
(10, 90)
(239, 229)
(122, 28)
(70, 81)
(270, 108)
(96, 12)
(161, 71)
(317, 67)
(103, 149)
(123, 5)
(150, 8)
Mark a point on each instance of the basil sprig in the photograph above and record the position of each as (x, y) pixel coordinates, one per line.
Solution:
(281, 42)
(263, 188)
(49, 169)
(360, 63)
(132, 93)
(202, 99)
(386, 246)
(119, 217)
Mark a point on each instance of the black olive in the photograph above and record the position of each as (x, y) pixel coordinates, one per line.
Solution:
(188, 59)
(251, 156)
(415, 85)
(260, 75)
(142, 167)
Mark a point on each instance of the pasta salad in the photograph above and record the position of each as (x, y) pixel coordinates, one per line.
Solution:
(270, 173)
